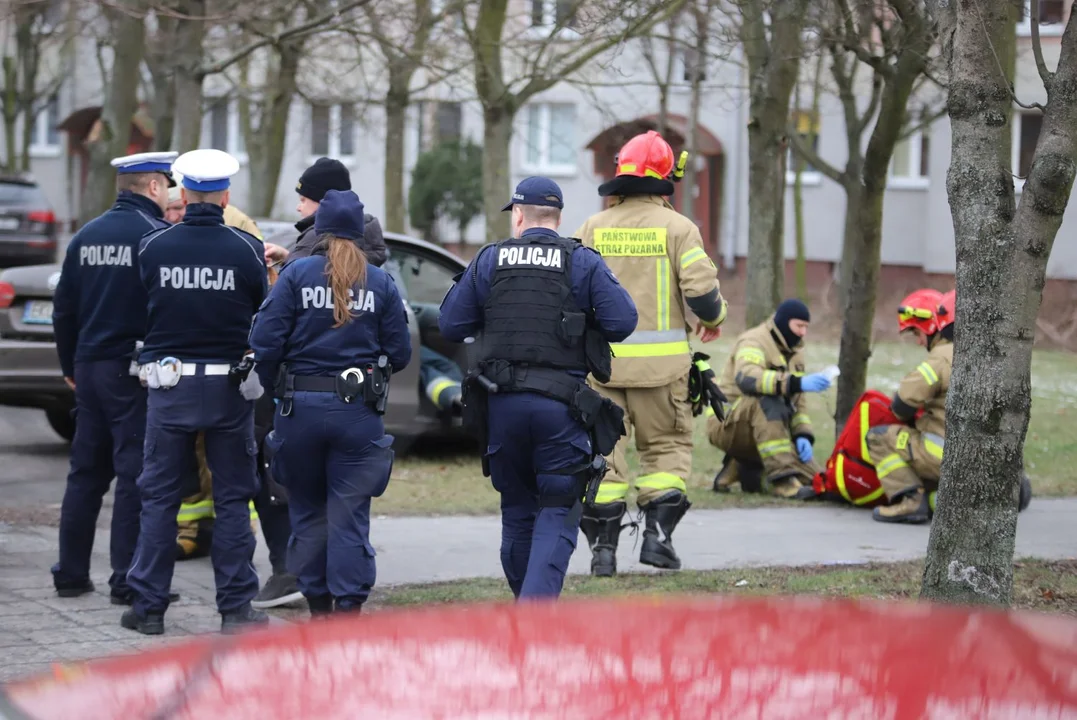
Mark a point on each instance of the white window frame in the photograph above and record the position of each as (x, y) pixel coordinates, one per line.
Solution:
(910, 182)
(334, 133)
(1024, 27)
(809, 178)
(1015, 148)
(544, 167)
(549, 19)
(234, 130)
(40, 147)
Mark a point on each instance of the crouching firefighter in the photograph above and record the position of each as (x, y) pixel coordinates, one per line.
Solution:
(545, 309)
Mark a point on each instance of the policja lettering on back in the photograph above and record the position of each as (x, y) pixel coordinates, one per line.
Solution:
(543, 305)
(99, 316)
(321, 297)
(195, 339)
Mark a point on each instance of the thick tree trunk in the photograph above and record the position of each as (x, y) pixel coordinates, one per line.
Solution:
(1002, 256)
(11, 112)
(766, 200)
(496, 181)
(798, 222)
(128, 31)
(163, 105)
(266, 148)
(29, 56)
(396, 106)
(188, 59)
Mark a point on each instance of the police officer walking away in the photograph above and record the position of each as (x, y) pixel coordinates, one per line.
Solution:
(547, 308)
(658, 254)
(328, 336)
(204, 282)
(99, 313)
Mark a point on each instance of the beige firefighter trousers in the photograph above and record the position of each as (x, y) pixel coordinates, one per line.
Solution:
(904, 457)
(752, 436)
(661, 418)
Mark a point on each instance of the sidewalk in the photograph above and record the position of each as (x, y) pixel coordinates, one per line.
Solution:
(38, 628)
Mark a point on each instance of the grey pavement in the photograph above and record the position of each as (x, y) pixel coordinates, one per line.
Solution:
(37, 628)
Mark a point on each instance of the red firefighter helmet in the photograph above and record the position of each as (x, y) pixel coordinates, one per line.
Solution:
(646, 155)
(920, 310)
(947, 308)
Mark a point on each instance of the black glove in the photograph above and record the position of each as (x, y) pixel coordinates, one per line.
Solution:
(703, 389)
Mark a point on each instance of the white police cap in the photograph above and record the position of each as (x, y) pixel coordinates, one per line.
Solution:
(206, 170)
(158, 162)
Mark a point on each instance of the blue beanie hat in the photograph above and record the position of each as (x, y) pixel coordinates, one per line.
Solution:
(340, 214)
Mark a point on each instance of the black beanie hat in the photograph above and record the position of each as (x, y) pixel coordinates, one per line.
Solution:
(324, 175)
(791, 309)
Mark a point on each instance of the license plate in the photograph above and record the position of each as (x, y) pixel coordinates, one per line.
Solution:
(38, 312)
(9, 223)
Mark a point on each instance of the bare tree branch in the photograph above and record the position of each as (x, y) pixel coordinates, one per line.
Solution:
(1037, 46)
(804, 150)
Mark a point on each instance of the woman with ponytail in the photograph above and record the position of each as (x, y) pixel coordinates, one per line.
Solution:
(317, 341)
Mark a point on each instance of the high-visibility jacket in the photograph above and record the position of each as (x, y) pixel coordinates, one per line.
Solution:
(657, 255)
(238, 219)
(925, 387)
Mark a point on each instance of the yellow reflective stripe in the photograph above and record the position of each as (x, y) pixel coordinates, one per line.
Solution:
(691, 256)
(204, 509)
(609, 492)
(890, 463)
(801, 419)
(752, 355)
(933, 448)
(775, 447)
(927, 372)
(840, 477)
(902, 440)
(639, 350)
(434, 389)
(651, 173)
(769, 383)
(254, 513)
(661, 481)
(865, 419)
(662, 284)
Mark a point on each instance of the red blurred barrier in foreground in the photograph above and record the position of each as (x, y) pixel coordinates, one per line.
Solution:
(634, 658)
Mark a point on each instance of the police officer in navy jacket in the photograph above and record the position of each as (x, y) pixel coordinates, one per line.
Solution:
(99, 313)
(204, 282)
(329, 321)
(527, 298)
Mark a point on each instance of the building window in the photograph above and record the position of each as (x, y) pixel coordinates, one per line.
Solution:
(45, 138)
(692, 64)
(807, 127)
(332, 131)
(224, 131)
(551, 13)
(1052, 17)
(1027, 126)
(551, 139)
(910, 164)
(448, 120)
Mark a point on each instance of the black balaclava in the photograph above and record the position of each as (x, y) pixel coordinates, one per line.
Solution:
(791, 309)
(631, 185)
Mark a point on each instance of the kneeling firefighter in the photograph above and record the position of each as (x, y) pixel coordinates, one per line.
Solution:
(767, 436)
(658, 255)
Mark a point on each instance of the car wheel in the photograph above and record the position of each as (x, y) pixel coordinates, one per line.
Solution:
(61, 421)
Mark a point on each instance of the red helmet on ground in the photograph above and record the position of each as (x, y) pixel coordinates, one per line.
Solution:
(920, 310)
(947, 308)
(646, 155)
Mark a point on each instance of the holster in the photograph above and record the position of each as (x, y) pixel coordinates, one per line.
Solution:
(600, 416)
(376, 386)
(474, 396)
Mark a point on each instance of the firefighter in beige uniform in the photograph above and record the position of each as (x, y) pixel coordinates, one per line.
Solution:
(657, 254)
(767, 431)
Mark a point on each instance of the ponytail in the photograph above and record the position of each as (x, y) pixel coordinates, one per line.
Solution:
(345, 267)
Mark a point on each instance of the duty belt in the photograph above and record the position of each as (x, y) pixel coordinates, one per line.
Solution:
(314, 383)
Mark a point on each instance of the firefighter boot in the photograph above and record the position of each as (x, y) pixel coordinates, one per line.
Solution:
(662, 516)
(785, 484)
(601, 525)
(909, 506)
(727, 476)
(191, 545)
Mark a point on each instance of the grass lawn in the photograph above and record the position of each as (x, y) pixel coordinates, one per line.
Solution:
(451, 483)
(1043, 585)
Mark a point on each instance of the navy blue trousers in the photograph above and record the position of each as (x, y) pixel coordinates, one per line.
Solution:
(531, 437)
(175, 416)
(332, 457)
(110, 423)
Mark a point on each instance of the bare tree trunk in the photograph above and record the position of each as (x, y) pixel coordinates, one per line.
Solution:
(11, 112)
(1002, 256)
(188, 60)
(128, 31)
(766, 191)
(266, 146)
(496, 182)
(688, 183)
(29, 56)
(161, 63)
(396, 107)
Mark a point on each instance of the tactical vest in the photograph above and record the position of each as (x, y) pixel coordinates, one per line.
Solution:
(531, 318)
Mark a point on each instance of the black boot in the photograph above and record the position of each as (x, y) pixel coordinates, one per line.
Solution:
(662, 514)
(601, 525)
(151, 624)
(727, 475)
(243, 619)
(320, 605)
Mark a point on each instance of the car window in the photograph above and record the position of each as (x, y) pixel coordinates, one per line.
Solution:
(425, 280)
(19, 194)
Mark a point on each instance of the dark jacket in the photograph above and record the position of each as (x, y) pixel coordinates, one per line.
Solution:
(372, 245)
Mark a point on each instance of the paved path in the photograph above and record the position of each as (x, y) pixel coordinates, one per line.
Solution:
(38, 628)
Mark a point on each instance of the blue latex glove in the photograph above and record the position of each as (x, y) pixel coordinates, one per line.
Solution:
(816, 382)
(804, 449)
